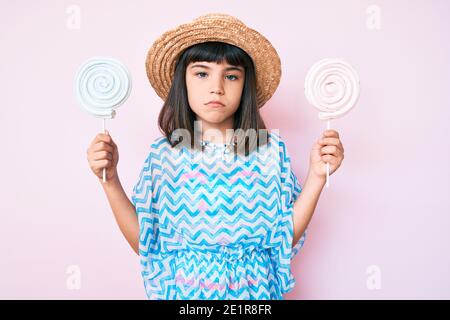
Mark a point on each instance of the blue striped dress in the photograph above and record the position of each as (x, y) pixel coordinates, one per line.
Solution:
(215, 225)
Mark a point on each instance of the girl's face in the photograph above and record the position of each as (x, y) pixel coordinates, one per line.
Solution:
(210, 81)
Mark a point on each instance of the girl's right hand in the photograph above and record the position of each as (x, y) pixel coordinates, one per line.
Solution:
(103, 153)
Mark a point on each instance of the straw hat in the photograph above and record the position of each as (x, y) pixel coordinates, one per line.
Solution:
(165, 51)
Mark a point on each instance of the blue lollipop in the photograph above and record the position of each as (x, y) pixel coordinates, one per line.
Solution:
(102, 85)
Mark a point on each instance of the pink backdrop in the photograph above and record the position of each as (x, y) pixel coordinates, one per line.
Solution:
(379, 231)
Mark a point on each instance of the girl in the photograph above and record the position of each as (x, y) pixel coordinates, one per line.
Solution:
(217, 211)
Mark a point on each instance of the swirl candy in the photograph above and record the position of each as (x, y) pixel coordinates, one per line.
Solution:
(102, 85)
(332, 87)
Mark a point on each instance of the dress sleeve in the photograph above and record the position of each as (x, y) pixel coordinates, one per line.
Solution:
(143, 185)
(149, 244)
(290, 190)
(296, 189)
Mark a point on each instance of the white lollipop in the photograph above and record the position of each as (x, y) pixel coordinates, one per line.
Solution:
(332, 87)
(102, 85)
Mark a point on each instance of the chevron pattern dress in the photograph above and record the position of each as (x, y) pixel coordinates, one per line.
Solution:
(215, 227)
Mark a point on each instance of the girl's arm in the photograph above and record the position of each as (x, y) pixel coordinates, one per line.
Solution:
(328, 149)
(305, 205)
(124, 211)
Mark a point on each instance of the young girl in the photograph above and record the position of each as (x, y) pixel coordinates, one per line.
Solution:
(217, 211)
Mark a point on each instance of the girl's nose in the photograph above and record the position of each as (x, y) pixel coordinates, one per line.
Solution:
(218, 91)
(217, 86)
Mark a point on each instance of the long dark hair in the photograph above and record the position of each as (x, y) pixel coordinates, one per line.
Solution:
(176, 114)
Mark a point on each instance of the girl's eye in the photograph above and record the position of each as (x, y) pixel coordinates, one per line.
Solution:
(234, 77)
(204, 73)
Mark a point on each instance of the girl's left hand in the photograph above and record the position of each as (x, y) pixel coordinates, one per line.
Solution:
(328, 149)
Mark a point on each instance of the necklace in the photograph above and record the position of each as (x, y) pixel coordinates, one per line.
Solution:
(223, 147)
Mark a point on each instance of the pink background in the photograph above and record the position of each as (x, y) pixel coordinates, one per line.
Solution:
(387, 206)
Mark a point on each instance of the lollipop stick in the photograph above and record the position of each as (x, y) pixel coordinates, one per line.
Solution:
(328, 165)
(104, 169)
